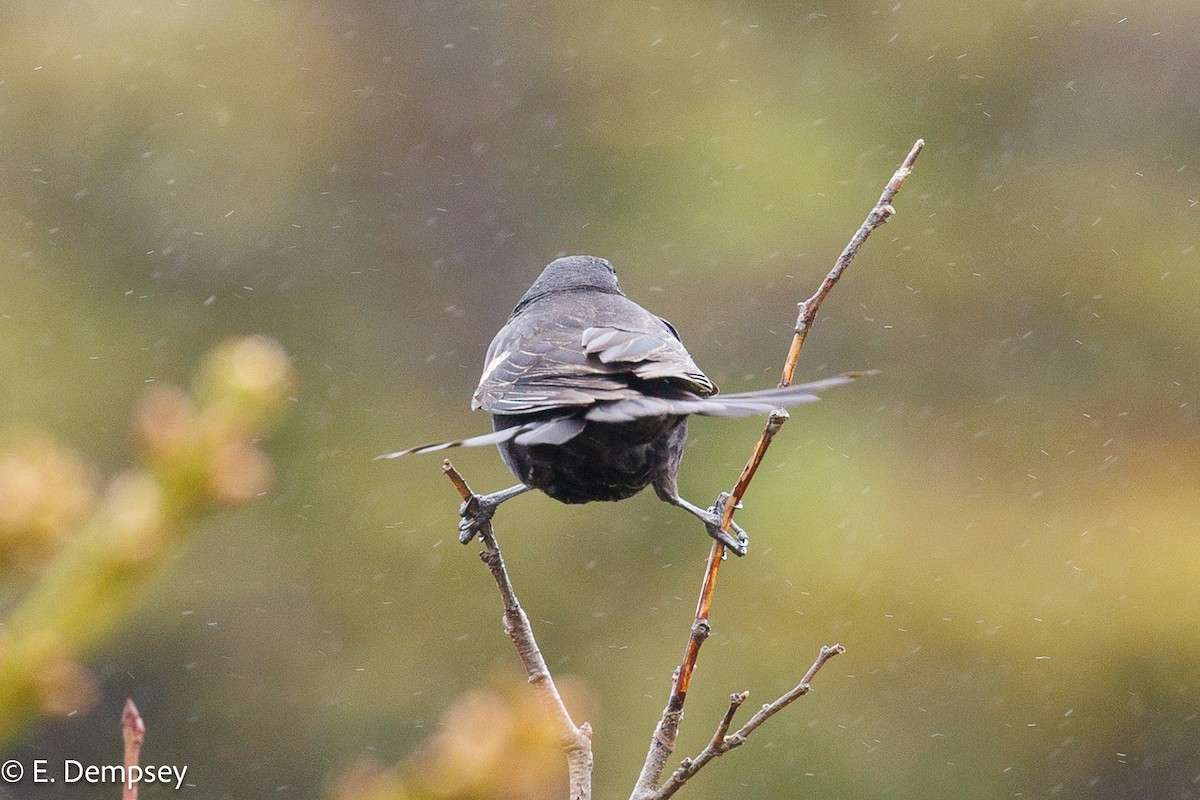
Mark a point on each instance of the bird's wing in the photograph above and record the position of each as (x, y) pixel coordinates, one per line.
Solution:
(745, 404)
(599, 351)
(649, 351)
(527, 373)
(559, 430)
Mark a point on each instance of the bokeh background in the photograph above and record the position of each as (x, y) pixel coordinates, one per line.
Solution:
(1001, 527)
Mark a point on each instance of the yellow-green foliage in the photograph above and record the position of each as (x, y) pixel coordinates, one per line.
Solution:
(100, 552)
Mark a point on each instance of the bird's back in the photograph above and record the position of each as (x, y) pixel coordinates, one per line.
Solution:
(573, 349)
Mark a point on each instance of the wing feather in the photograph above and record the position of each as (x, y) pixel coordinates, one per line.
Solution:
(591, 350)
(746, 404)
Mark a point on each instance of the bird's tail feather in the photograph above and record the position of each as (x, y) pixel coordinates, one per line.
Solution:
(551, 431)
(495, 437)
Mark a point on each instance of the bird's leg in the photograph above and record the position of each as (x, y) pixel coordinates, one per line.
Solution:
(734, 539)
(477, 511)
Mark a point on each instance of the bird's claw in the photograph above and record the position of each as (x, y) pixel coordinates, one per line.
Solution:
(476, 512)
(735, 538)
(478, 509)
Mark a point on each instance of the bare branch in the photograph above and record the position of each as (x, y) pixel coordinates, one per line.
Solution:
(786, 699)
(722, 743)
(576, 740)
(133, 730)
(881, 213)
(735, 702)
(662, 744)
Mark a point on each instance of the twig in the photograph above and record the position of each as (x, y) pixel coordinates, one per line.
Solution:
(576, 740)
(722, 743)
(880, 214)
(662, 744)
(133, 730)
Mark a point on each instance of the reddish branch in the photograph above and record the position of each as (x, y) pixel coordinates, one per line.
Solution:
(576, 740)
(133, 729)
(662, 744)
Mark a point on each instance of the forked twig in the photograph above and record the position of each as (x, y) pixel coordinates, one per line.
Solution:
(576, 740)
(722, 742)
(662, 744)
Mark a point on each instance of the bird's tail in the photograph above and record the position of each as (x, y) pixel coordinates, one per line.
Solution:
(544, 431)
(495, 437)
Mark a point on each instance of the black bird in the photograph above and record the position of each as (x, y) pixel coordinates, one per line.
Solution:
(590, 393)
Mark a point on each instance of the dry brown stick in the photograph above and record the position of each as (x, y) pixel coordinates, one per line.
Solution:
(662, 744)
(133, 730)
(576, 740)
(722, 742)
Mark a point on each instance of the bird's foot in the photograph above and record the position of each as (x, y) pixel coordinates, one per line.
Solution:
(476, 511)
(735, 538)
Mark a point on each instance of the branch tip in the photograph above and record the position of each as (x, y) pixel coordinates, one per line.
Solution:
(132, 724)
(133, 731)
(456, 478)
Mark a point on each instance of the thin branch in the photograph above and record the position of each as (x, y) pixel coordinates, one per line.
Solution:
(576, 740)
(800, 689)
(662, 744)
(881, 213)
(722, 742)
(718, 739)
(133, 729)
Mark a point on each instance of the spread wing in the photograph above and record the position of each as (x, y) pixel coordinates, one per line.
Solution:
(561, 429)
(745, 404)
(597, 349)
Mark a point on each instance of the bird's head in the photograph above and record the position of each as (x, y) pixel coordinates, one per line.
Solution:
(572, 274)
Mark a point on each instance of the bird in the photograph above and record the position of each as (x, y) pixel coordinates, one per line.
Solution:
(590, 394)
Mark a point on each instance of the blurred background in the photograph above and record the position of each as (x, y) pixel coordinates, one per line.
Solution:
(1001, 527)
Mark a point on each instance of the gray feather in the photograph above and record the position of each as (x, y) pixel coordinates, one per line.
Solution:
(495, 437)
(746, 404)
(555, 431)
